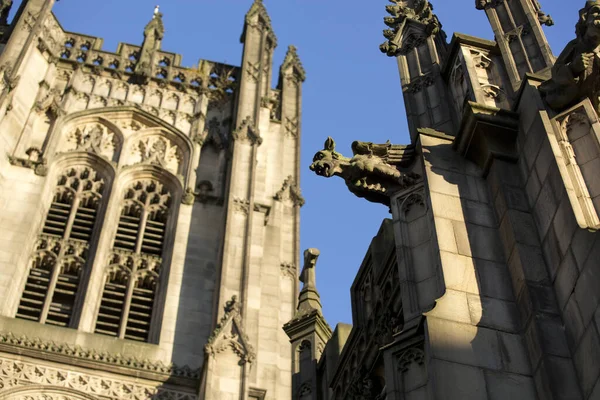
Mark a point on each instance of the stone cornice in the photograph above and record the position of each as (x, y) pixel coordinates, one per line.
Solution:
(39, 348)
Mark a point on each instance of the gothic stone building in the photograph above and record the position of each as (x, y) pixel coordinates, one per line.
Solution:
(485, 283)
(149, 215)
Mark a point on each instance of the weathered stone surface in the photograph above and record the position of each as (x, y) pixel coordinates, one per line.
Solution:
(502, 386)
(457, 381)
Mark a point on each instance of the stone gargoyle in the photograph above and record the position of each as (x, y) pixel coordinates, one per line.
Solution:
(375, 171)
(576, 73)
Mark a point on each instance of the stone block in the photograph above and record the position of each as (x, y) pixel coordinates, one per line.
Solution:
(544, 209)
(485, 243)
(493, 313)
(448, 207)
(530, 261)
(587, 359)
(586, 291)
(494, 280)
(479, 214)
(565, 224)
(452, 306)
(459, 272)
(533, 187)
(564, 285)
(551, 335)
(445, 235)
(592, 178)
(573, 321)
(455, 381)
(544, 159)
(464, 344)
(551, 252)
(561, 379)
(543, 299)
(503, 386)
(515, 358)
(422, 262)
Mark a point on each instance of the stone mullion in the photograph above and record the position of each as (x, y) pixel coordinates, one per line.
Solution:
(142, 229)
(56, 270)
(127, 303)
(52, 283)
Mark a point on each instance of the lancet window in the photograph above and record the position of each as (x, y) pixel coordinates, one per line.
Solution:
(133, 273)
(62, 248)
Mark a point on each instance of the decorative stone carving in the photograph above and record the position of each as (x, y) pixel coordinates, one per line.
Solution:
(292, 60)
(241, 205)
(34, 161)
(5, 6)
(372, 173)
(229, 335)
(290, 191)
(94, 138)
(576, 73)
(291, 126)
(213, 134)
(24, 343)
(289, 269)
(18, 373)
(247, 132)
(158, 150)
(420, 11)
(419, 83)
(411, 356)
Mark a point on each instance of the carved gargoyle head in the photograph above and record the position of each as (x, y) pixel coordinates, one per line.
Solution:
(374, 171)
(588, 26)
(329, 162)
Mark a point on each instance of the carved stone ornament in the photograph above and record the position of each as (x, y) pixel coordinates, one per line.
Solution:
(420, 11)
(229, 335)
(94, 138)
(576, 72)
(247, 133)
(34, 161)
(16, 374)
(409, 357)
(374, 172)
(160, 151)
(24, 343)
(290, 191)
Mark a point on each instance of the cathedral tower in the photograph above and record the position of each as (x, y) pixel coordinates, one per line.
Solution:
(150, 215)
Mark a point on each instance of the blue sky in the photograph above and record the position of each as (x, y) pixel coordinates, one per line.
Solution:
(352, 91)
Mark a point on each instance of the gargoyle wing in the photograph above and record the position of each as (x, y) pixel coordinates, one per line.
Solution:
(392, 154)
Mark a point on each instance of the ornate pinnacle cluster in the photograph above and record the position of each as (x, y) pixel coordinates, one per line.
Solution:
(292, 60)
(420, 11)
(264, 21)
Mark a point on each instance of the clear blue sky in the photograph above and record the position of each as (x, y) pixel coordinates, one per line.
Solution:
(352, 91)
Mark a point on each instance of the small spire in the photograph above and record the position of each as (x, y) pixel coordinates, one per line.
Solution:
(292, 60)
(258, 15)
(309, 299)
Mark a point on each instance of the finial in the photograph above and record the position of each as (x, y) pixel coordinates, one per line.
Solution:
(156, 11)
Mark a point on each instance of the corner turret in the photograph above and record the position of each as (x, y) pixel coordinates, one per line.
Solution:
(308, 332)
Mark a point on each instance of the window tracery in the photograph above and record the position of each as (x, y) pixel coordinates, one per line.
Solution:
(134, 269)
(62, 249)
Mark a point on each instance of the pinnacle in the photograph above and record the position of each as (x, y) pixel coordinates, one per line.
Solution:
(293, 60)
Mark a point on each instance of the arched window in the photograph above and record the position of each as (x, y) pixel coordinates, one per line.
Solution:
(61, 252)
(132, 278)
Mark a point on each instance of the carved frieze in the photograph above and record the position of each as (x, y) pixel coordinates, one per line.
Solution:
(19, 373)
(290, 270)
(24, 343)
(241, 205)
(375, 172)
